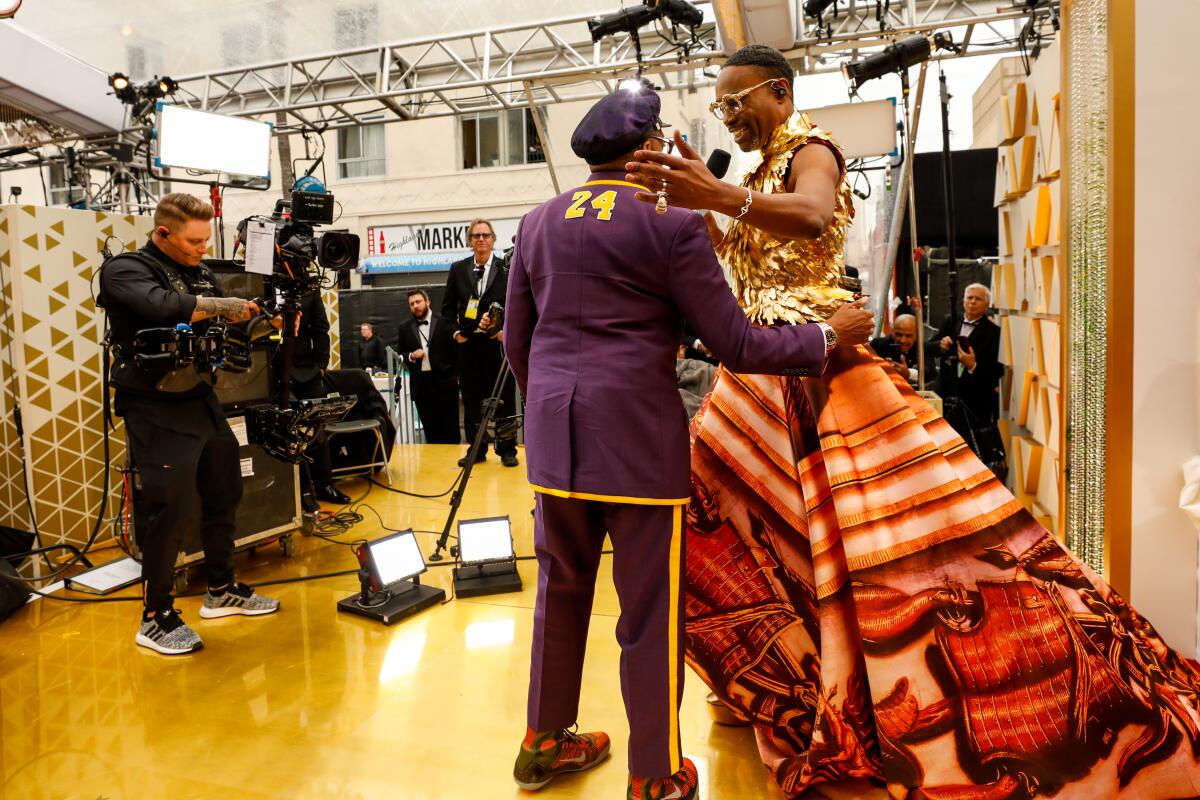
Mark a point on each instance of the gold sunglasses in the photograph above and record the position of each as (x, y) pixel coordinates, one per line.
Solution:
(730, 104)
(668, 144)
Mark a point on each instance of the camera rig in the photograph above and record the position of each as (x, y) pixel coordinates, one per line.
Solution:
(285, 432)
(220, 346)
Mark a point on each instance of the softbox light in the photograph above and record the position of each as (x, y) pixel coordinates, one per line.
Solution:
(390, 579)
(486, 561)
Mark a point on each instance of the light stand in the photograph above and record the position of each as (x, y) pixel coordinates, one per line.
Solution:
(390, 605)
(490, 407)
(948, 191)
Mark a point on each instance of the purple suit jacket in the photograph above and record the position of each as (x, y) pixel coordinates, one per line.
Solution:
(599, 290)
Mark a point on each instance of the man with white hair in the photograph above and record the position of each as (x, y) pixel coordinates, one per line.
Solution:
(969, 367)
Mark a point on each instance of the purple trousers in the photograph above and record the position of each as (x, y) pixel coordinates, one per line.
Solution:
(647, 570)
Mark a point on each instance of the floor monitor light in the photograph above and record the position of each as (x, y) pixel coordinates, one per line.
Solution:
(486, 561)
(390, 576)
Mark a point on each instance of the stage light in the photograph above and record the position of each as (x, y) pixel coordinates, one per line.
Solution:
(898, 56)
(631, 85)
(118, 82)
(629, 20)
(681, 12)
(814, 8)
(487, 563)
(390, 579)
(166, 86)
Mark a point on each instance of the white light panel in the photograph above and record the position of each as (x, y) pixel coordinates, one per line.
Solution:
(484, 540)
(397, 558)
(212, 142)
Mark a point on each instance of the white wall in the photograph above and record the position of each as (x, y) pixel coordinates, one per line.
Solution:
(1166, 427)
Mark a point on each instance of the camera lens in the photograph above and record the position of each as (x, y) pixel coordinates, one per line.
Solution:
(337, 250)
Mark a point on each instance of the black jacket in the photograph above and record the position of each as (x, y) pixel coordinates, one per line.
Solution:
(885, 347)
(461, 287)
(441, 352)
(979, 390)
(311, 354)
(150, 290)
(371, 353)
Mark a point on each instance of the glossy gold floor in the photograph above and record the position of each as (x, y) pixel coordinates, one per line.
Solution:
(310, 703)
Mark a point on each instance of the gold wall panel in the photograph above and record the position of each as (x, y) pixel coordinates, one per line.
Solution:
(50, 367)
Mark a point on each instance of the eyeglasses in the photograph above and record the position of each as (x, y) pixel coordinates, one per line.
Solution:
(668, 144)
(730, 104)
(482, 235)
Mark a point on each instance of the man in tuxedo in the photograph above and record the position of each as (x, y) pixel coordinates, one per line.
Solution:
(969, 357)
(471, 287)
(898, 348)
(427, 343)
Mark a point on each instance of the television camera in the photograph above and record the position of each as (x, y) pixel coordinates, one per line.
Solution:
(302, 261)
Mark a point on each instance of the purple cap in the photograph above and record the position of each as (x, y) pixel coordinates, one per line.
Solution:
(618, 123)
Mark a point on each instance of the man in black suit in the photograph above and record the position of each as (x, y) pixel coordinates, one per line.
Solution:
(427, 344)
(310, 359)
(371, 354)
(471, 287)
(970, 370)
(898, 348)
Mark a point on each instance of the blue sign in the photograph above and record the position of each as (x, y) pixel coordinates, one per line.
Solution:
(409, 262)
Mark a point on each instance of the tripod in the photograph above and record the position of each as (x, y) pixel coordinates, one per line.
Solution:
(490, 407)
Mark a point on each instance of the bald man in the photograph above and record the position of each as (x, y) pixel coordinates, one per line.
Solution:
(898, 348)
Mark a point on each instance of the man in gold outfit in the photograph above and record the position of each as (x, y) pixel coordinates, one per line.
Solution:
(858, 585)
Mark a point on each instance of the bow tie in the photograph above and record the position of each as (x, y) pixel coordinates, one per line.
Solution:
(422, 322)
(972, 323)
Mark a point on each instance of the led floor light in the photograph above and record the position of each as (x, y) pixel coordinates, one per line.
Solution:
(390, 577)
(486, 561)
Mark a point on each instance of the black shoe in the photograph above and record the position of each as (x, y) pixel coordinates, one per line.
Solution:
(329, 494)
(308, 503)
(462, 462)
(509, 459)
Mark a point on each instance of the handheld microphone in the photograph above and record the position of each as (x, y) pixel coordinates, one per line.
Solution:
(718, 163)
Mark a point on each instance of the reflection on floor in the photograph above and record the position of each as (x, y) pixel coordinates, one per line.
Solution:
(310, 703)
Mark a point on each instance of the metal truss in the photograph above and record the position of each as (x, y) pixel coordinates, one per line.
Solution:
(448, 75)
(518, 65)
(487, 70)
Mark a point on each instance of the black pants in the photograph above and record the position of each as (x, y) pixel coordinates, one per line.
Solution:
(436, 399)
(185, 455)
(479, 361)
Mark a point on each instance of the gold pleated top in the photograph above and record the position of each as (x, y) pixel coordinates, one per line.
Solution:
(777, 280)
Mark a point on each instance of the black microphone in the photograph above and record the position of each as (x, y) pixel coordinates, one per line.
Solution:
(718, 163)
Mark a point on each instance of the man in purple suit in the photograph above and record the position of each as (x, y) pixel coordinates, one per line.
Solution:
(599, 291)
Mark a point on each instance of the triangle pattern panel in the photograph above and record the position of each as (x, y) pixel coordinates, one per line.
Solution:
(55, 255)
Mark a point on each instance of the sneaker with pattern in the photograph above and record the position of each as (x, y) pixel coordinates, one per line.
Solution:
(683, 785)
(237, 598)
(548, 754)
(166, 633)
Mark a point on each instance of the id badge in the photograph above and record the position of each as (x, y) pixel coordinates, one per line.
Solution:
(472, 311)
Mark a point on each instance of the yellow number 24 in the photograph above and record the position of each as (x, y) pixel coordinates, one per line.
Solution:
(603, 205)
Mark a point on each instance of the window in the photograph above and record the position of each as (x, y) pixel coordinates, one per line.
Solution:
(361, 152)
(500, 139)
(60, 193)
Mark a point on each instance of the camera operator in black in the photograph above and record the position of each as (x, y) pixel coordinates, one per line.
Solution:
(179, 441)
(471, 287)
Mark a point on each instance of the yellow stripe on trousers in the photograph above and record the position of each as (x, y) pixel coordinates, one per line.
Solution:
(673, 638)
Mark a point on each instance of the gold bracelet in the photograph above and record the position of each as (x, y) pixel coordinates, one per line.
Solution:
(745, 208)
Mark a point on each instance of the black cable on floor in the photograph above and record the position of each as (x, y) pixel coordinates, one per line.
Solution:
(416, 494)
